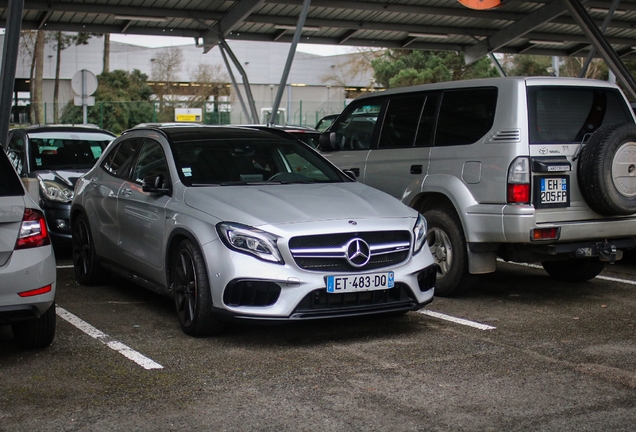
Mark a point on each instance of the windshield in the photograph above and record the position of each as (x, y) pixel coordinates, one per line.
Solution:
(238, 161)
(567, 114)
(66, 150)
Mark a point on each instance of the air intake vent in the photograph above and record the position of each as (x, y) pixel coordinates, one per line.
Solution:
(513, 135)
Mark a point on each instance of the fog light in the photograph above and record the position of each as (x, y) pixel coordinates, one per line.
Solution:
(60, 223)
(537, 234)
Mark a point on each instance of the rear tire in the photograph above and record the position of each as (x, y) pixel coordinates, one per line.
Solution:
(191, 289)
(87, 269)
(446, 241)
(36, 333)
(574, 270)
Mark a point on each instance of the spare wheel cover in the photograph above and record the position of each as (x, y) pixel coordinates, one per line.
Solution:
(607, 170)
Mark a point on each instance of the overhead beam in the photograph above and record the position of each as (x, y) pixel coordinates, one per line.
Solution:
(234, 17)
(601, 45)
(515, 31)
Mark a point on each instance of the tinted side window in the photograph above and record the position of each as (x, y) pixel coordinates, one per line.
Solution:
(151, 162)
(119, 161)
(355, 130)
(10, 184)
(465, 116)
(15, 151)
(401, 121)
(427, 122)
(567, 114)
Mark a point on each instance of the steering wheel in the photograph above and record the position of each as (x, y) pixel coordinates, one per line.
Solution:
(360, 140)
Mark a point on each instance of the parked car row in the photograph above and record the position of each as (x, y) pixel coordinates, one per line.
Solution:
(255, 223)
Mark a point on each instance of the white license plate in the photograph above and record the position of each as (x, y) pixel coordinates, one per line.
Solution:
(355, 283)
(554, 190)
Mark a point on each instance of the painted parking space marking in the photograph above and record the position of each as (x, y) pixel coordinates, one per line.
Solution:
(124, 350)
(457, 320)
(607, 278)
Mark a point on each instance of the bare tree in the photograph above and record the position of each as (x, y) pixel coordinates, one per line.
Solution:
(106, 67)
(165, 68)
(37, 71)
(210, 80)
(352, 67)
(167, 64)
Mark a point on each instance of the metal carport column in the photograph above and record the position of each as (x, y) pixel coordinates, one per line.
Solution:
(290, 58)
(600, 43)
(9, 63)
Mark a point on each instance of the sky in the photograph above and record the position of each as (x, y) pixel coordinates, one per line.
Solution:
(163, 41)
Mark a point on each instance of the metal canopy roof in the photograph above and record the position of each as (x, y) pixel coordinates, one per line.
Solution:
(544, 27)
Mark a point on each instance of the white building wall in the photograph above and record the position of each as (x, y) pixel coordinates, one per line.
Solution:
(262, 62)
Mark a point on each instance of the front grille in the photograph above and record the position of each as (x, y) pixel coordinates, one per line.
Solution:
(329, 252)
(321, 303)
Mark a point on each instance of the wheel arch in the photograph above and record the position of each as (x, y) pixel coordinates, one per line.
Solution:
(176, 237)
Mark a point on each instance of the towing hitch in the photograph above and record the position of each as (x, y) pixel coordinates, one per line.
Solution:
(604, 250)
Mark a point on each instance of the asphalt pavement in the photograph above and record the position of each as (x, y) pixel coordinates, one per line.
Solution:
(520, 352)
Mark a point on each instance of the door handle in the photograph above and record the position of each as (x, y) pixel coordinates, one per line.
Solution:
(126, 192)
(416, 169)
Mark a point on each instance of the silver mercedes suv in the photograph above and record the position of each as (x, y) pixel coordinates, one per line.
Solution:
(242, 224)
(538, 169)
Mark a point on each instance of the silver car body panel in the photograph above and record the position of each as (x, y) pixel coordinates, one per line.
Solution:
(24, 269)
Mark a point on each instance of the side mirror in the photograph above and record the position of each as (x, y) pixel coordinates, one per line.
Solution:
(329, 141)
(155, 184)
(350, 174)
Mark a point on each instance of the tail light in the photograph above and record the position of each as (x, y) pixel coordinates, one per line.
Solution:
(519, 181)
(33, 231)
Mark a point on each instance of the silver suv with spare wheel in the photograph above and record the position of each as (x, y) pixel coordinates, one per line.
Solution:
(539, 169)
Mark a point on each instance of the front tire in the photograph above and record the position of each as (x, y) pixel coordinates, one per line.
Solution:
(574, 270)
(446, 241)
(191, 288)
(87, 269)
(36, 333)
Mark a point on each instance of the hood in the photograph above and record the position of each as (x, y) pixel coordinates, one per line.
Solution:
(62, 176)
(294, 203)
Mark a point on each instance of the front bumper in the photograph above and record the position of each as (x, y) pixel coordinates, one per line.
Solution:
(301, 294)
(58, 219)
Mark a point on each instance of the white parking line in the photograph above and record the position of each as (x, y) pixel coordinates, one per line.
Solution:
(457, 320)
(124, 350)
(607, 278)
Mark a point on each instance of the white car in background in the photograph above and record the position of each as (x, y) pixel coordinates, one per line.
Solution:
(27, 264)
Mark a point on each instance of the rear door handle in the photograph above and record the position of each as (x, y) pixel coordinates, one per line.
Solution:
(126, 192)
(416, 169)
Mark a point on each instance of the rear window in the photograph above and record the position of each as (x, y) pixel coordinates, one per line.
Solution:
(60, 150)
(567, 114)
(10, 184)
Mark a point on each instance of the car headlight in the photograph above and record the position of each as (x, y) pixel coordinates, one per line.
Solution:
(55, 191)
(419, 234)
(249, 240)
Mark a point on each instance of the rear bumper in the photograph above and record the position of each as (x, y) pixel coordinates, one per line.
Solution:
(513, 224)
